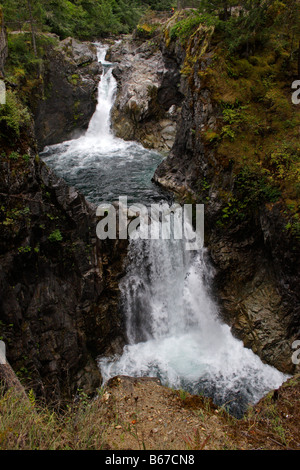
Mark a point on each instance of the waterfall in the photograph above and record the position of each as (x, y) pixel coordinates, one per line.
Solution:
(99, 127)
(172, 322)
(174, 331)
(100, 165)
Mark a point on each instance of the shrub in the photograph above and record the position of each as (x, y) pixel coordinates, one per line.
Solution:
(13, 116)
(184, 28)
(14, 156)
(55, 236)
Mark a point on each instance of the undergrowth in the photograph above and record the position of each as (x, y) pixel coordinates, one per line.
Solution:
(30, 425)
(248, 63)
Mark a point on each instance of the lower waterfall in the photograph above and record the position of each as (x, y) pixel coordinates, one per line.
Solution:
(174, 331)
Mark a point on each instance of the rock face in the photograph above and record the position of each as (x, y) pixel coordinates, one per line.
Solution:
(148, 97)
(71, 76)
(256, 261)
(58, 283)
(3, 44)
(59, 295)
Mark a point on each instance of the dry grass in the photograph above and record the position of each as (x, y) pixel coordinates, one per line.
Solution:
(139, 414)
(26, 425)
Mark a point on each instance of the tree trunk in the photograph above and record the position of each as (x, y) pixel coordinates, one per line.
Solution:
(225, 4)
(3, 44)
(32, 28)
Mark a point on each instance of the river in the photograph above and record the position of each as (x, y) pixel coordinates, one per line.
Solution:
(173, 326)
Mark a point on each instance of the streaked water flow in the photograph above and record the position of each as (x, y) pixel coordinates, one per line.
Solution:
(173, 328)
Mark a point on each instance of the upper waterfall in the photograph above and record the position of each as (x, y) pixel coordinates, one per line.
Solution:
(102, 166)
(99, 128)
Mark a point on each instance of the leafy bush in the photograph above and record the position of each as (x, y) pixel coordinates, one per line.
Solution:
(254, 187)
(13, 116)
(184, 28)
(21, 56)
(55, 236)
(14, 155)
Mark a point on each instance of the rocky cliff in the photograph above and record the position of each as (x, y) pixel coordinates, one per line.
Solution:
(58, 282)
(256, 257)
(59, 291)
(148, 98)
(71, 73)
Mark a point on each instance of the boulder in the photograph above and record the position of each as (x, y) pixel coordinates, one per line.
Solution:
(147, 89)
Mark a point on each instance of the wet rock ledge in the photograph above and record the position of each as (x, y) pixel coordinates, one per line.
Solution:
(148, 98)
(71, 73)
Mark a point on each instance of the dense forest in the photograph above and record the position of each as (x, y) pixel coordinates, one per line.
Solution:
(84, 19)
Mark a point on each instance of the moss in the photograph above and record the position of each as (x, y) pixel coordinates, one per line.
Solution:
(13, 116)
(196, 48)
(146, 31)
(74, 79)
(258, 117)
(77, 115)
(259, 125)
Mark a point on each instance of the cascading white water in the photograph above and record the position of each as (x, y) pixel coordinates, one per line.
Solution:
(100, 122)
(174, 331)
(173, 328)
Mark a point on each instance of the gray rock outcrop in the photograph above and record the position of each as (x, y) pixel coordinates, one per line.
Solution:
(148, 98)
(256, 261)
(58, 282)
(70, 83)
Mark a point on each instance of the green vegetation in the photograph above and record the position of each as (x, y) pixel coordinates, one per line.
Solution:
(146, 30)
(188, 23)
(83, 19)
(13, 116)
(254, 56)
(27, 425)
(55, 236)
(23, 67)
